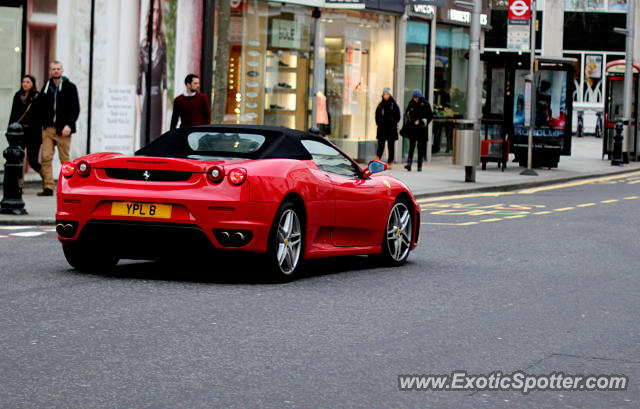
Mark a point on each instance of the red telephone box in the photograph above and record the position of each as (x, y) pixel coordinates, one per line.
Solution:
(614, 108)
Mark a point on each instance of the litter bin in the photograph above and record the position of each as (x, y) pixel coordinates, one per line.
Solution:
(466, 143)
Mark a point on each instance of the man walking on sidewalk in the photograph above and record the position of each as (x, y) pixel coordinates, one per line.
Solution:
(192, 107)
(60, 109)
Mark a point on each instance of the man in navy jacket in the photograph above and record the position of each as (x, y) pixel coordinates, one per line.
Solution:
(59, 107)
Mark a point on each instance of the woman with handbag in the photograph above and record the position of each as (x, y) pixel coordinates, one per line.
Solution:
(24, 111)
(417, 116)
(387, 118)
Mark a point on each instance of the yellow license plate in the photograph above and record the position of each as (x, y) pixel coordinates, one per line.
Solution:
(158, 211)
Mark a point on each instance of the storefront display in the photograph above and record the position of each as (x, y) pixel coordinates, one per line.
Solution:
(268, 64)
(357, 69)
(450, 84)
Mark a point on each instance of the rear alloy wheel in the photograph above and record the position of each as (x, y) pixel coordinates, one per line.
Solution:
(87, 260)
(397, 241)
(285, 247)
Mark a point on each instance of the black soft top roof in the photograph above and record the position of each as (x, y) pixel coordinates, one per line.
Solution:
(280, 142)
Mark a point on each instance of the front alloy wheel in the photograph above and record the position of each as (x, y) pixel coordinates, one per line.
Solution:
(398, 234)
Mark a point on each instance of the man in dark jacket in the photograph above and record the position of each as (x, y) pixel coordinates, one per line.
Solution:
(417, 117)
(59, 107)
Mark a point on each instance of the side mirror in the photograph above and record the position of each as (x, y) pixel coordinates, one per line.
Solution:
(375, 166)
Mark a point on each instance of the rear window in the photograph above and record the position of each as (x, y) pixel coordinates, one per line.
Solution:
(225, 142)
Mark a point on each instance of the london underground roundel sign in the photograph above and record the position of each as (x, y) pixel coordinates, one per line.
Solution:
(519, 10)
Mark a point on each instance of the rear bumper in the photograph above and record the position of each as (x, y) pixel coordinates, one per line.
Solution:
(197, 217)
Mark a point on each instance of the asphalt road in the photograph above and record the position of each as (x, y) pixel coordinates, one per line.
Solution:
(541, 282)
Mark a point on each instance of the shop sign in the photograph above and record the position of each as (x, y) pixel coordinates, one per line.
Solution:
(461, 16)
(454, 15)
(285, 34)
(499, 4)
(423, 10)
(440, 3)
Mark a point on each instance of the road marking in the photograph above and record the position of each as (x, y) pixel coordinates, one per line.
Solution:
(439, 199)
(28, 234)
(17, 227)
(631, 197)
(516, 217)
(450, 224)
(543, 212)
(609, 201)
(2, 237)
(564, 209)
(578, 183)
(491, 220)
(634, 182)
(586, 204)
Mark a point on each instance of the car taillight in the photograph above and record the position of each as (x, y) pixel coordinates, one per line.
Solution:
(237, 176)
(215, 174)
(84, 168)
(67, 169)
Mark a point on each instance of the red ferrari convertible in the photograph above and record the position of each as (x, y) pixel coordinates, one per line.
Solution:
(288, 195)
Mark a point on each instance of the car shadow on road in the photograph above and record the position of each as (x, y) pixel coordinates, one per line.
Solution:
(233, 270)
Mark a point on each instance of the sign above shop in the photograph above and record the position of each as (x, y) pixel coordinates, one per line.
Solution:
(423, 10)
(440, 3)
(452, 14)
(462, 16)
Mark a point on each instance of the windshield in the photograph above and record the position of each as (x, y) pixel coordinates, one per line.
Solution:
(223, 142)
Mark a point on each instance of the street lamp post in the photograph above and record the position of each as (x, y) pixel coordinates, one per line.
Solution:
(532, 88)
(628, 82)
(473, 94)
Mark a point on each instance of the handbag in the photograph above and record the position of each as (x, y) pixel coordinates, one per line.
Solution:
(404, 131)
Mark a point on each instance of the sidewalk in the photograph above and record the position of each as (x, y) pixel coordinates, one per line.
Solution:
(439, 177)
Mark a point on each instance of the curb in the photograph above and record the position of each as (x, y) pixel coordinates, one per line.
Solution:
(493, 188)
(27, 222)
(522, 185)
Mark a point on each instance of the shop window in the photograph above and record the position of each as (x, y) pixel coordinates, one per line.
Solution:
(593, 79)
(450, 92)
(416, 71)
(269, 58)
(359, 64)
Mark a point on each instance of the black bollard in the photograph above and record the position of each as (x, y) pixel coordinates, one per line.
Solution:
(12, 202)
(616, 160)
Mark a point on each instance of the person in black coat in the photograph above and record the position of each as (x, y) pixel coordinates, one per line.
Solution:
(387, 118)
(417, 116)
(24, 111)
